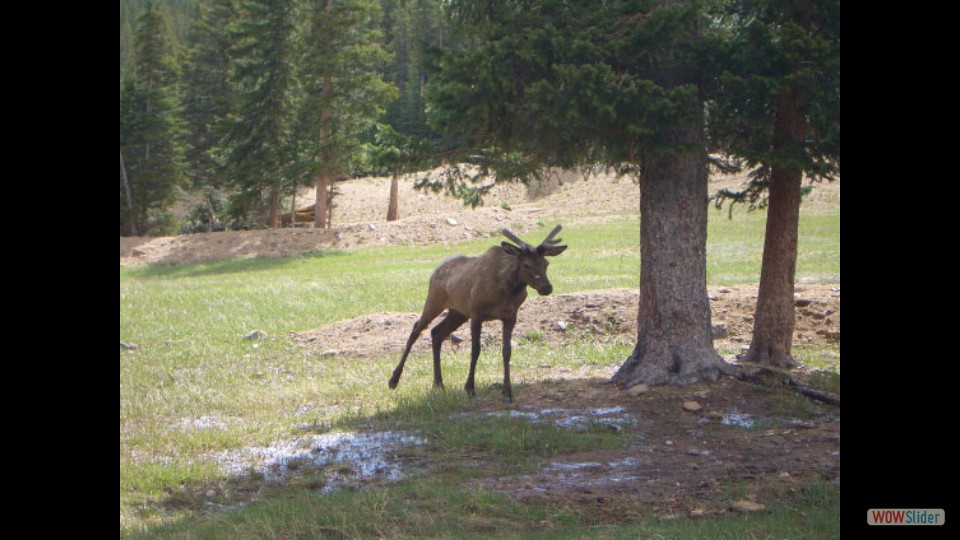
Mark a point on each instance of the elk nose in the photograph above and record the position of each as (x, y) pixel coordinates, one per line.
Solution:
(547, 289)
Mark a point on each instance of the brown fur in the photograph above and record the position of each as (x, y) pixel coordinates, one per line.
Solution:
(490, 287)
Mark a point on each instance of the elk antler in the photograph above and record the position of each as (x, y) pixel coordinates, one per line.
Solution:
(549, 239)
(516, 240)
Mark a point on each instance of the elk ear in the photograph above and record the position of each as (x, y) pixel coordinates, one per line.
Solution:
(553, 251)
(510, 249)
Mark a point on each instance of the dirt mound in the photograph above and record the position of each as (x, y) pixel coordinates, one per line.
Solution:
(598, 315)
(427, 218)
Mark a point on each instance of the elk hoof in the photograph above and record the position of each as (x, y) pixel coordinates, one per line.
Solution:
(393, 383)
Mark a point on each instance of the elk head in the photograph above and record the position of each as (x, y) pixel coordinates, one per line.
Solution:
(532, 262)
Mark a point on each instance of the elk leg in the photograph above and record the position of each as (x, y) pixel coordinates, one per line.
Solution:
(430, 313)
(475, 327)
(507, 351)
(440, 332)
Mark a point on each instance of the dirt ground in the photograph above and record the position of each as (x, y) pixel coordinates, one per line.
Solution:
(751, 443)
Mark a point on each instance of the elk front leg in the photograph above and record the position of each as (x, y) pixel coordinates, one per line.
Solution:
(507, 350)
(475, 328)
(440, 332)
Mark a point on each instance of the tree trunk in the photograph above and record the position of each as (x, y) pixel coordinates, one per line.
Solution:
(674, 344)
(775, 318)
(131, 226)
(320, 210)
(393, 208)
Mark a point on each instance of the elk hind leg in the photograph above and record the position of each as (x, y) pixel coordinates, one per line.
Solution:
(440, 332)
(430, 312)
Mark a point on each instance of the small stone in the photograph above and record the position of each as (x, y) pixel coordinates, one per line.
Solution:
(528, 485)
(723, 290)
(451, 221)
(693, 452)
(668, 442)
(256, 334)
(137, 252)
(562, 325)
(698, 513)
(785, 475)
(638, 389)
(372, 227)
(715, 416)
(801, 302)
(719, 331)
(745, 507)
(328, 353)
(691, 406)
(128, 346)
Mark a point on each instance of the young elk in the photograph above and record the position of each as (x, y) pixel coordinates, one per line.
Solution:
(485, 288)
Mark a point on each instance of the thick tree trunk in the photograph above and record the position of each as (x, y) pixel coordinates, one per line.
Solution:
(273, 208)
(131, 226)
(674, 343)
(393, 207)
(775, 318)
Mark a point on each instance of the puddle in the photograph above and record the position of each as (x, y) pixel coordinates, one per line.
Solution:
(592, 473)
(579, 419)
(738, 420)
(346, 459)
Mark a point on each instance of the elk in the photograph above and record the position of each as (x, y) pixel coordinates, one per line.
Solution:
(490, 287)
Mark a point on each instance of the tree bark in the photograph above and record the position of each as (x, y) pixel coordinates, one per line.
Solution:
(393, 208)
(320, 210)
(131, 226)
(775, 317)
(674, 344)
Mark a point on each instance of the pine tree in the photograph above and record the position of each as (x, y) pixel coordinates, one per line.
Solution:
(150, 130)
(778, 109)
(256, 133)
(343, 93)
(581, 83)
(207, 92)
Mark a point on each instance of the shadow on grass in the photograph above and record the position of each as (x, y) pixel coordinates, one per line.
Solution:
(229, 266)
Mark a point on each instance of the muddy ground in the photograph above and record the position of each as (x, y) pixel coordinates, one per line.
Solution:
(758, 441)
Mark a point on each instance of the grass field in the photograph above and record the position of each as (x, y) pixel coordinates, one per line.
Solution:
(195, 388)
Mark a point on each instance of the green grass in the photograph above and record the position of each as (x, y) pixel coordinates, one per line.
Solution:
(193, 366)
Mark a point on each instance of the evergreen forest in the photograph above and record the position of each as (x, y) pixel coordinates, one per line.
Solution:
(243, 102)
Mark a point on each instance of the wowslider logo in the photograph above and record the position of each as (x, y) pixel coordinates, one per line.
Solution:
(903, 516)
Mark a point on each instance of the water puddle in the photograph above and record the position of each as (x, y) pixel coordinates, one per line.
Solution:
(577, 419)
(738, 420)
(345, 459)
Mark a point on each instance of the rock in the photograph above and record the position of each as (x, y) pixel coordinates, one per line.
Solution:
(372, 227)
(668, 442)
(691, 406)
(801, 302)
(128, 346)
(562, 325)
(638, 389)
(328, 353)
(456, 339)
(719, 331)
(256, 334)
(831, 335)
(715, 416)
(698, 513)
(451, 221)
(137, 252)
(745, 507)
(723, 290)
